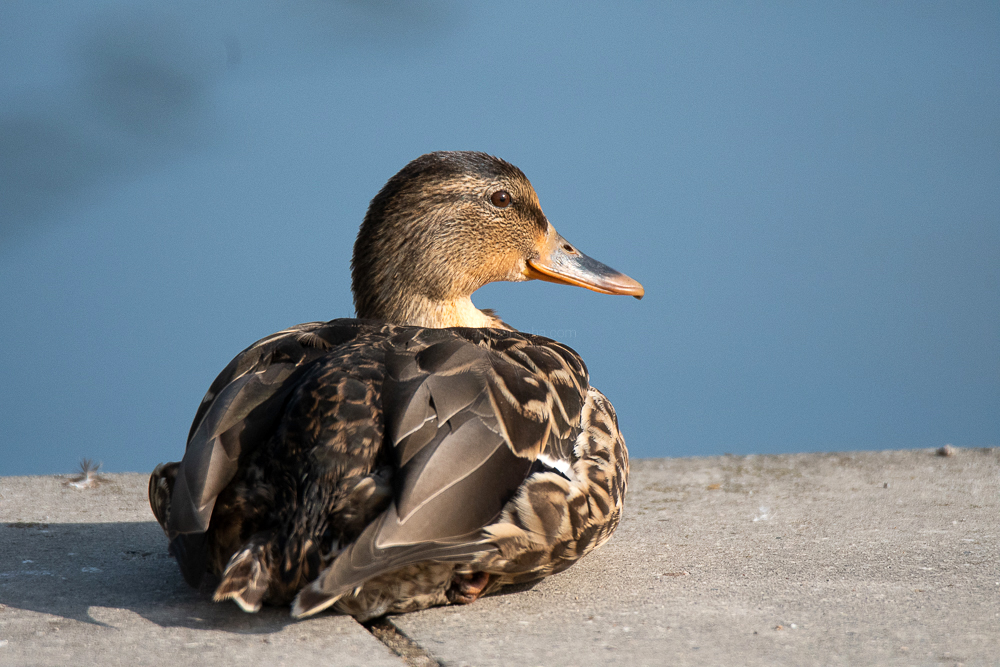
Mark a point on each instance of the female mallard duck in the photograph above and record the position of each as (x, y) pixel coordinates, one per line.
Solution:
(424, 454)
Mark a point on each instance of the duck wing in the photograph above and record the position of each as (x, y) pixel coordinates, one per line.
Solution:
(467, 414)
(240, 410)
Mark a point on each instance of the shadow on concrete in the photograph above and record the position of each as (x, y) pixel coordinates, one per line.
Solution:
(65, 569)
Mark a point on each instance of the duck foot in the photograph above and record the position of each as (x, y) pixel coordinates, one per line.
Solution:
(466, 588)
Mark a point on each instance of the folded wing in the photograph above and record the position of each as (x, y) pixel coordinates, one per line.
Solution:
(239, 412)
(467, 414)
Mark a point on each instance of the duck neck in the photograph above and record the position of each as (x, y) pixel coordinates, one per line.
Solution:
(421, 311)
(460, 312)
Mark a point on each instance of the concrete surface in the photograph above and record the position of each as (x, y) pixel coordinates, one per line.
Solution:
(85, 579)
(876, 558)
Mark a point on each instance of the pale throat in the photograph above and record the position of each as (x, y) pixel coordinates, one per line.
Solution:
(458, 312)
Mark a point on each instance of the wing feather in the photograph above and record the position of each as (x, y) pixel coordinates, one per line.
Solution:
(239, 412)
(467, 413)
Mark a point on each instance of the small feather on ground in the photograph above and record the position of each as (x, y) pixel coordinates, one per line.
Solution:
(87, 478)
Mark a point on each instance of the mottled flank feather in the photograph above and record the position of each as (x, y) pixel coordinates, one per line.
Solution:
(374, 467)
(161, 486)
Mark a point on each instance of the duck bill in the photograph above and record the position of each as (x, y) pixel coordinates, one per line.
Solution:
(560, 262)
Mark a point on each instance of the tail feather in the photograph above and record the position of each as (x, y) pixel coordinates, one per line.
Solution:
(312, 600)
(247, 575)
(364, 559)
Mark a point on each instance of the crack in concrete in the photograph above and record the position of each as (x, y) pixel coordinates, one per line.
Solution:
(411, 652)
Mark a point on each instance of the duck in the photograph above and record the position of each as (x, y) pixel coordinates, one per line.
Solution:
(424, 453)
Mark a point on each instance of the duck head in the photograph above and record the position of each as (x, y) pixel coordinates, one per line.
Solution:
(449, 223)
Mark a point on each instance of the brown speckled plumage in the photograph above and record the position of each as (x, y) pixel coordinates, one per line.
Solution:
(380, 467)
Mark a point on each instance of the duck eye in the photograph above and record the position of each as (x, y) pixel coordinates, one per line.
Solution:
(500, 199)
